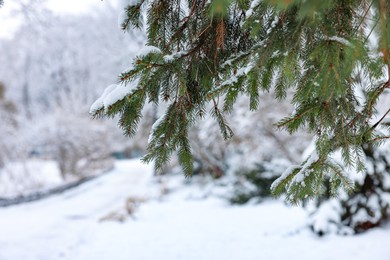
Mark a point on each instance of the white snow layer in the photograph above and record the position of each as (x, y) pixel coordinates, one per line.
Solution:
(148, 49)
(175, 55)
(154, 127)
(99, 103)
(113, 94)
(340, 40)
(300, 176)
(240, 72)
(327, 217)
(172, 226)
(254, 4)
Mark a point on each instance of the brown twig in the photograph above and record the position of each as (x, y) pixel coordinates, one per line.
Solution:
(380, 120)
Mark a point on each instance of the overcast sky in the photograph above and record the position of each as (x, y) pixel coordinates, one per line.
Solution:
(9, 22)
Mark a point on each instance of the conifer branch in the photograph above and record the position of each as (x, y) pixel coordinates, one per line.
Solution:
(244, 48)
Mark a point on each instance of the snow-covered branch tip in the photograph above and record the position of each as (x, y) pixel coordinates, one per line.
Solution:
(112, 94)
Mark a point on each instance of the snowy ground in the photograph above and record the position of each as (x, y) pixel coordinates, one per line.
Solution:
(178, 225)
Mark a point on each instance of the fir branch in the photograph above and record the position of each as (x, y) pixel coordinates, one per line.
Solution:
(310, 48)
(226, 131)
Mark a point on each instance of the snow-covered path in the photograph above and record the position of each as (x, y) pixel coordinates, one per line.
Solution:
(67, 227)
(51, 228)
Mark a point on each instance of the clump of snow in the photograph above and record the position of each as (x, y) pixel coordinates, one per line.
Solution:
(253, 5)
(113, 94)
(154, 127)
(240, 72)
(284, 176)
(340, 40)
(119, 93)
(300, 176)
(175, 55)
(273, 24)
(148, 49)
(275, 54)
(99, 103)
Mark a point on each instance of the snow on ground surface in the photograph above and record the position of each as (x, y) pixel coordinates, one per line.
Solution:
(179, 225)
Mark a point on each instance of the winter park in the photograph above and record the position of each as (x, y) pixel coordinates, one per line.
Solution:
(194, 129)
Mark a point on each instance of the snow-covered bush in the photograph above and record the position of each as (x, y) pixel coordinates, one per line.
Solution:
(364, 208)
(8, 128)
(56, 66)
(80, 145)
(254, 183)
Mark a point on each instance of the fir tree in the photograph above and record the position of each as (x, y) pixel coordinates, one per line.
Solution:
(202, 55)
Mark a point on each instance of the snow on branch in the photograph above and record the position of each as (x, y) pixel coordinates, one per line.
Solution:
(341, 40)
(253, 5)
(147, 50)
(298, 171)
(113, 94)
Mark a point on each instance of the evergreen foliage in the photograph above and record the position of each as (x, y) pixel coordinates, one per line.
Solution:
(203, 55)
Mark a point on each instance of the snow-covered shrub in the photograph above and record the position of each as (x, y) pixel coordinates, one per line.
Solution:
(56, 66)
(366, 207)
(255, 182)
(8, 128)
(80, 145)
